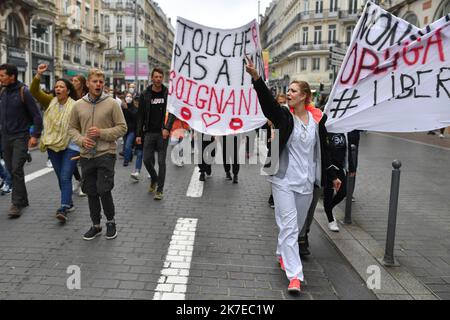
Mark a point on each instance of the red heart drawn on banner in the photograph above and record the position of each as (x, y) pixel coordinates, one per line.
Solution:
(210, 119)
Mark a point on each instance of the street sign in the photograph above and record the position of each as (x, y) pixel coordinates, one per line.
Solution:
(338, 50)
(336, 56)
(335, 62)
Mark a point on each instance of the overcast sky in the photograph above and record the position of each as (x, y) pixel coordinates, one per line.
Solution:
(223, 14)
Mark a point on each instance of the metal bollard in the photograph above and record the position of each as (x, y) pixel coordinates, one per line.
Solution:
(388, 259)
(350, 189)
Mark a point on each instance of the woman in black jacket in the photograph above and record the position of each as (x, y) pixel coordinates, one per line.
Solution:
(302, 162)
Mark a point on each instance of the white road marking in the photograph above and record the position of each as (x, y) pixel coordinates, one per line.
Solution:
(37, 174)
(172, 284)
(195, 189)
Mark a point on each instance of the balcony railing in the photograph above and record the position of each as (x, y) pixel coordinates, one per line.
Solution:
(119, 28)
(76, 60)
(66, 57)
(298, 47)
(113, 52)
(312, 16)
(129, 29)
(88, 62)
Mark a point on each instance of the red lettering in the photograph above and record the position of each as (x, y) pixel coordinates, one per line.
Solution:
(177, 91)
(416, 52)
(243, 101)
(216, 98)
(172, 76)
(191, 82)
(231, 101)
(431, 42)
(202, 101)
(364, 66)
(355, 53)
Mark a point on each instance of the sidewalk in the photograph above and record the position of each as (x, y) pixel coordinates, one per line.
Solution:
(422, 244)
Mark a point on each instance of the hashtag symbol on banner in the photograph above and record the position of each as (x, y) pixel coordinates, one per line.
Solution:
(342, 100)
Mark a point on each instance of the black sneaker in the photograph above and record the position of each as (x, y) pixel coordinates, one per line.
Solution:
(111, 231)
(228, 176)
(29, 158)
(61, 214)
(92, 233)
(202, 176)
(271, 203)
(235, 178)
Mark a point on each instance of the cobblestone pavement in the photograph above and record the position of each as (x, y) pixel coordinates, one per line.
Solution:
(233, 253)
(423, 221)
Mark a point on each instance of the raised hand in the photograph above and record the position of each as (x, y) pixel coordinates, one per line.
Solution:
(251, 70)
(42, 68)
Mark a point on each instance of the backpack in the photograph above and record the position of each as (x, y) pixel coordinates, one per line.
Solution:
(21, 92)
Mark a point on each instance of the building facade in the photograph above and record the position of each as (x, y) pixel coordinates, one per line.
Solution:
(154, 32)
(15, 34)
(299, 34)
(418, 12)
(80, 43)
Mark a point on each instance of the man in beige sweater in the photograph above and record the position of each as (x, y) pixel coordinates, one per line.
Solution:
(95, 125)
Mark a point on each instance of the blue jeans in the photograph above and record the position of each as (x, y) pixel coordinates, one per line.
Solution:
(128, 146)
(4, 174)
(139, 158)
(64, 168)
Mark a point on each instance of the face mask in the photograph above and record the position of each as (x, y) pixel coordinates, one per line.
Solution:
(129, 99)
(131, 90)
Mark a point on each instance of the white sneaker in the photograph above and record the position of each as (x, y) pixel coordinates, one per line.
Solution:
(333, 226)
(81, 193)
(441, 136)
(149, 176)
(76, 186)
(49, 164)
(135, 176)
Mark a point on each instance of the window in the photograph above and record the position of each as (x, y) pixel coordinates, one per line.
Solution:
(331, 34)
(119, 42)
(442, 10)
(411, 18)
(329, 64)
(333, 5)
(319, 6)
(88, 56)
(119, 23)
(87, 18)
(129, 42)
(306, 6)
(67, 51)
(107, 27)
(348, 34)
(316, 64)
(317, 34)
(352, 6)
(305, 36)
(96, 18)
(12, 29)
(77, 57)
(304, 64)
(40, 41)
